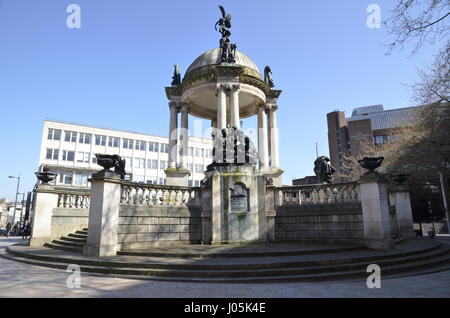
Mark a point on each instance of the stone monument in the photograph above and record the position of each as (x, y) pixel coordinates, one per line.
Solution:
(225, 86)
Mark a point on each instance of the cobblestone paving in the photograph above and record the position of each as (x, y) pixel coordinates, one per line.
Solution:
(23, 280)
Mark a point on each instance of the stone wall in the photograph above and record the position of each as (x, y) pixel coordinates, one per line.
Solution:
(146, 226)
(325, 222)
(67, 220)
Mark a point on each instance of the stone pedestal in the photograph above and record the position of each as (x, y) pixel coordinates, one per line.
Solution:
(375, 208)
(401, 200)
(237, 204)
(271, 194)
(46, 201)
(177, 177)
(103, 215)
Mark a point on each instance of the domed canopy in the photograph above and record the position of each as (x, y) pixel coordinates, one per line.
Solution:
(212, 57)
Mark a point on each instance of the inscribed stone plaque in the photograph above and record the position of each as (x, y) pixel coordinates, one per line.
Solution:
(239, 198)
(238, 204)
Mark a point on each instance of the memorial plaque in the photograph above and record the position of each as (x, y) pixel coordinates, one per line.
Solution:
(238, 204)
(239, 198)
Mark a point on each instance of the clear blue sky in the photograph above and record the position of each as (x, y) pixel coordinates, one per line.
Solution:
(112, 72)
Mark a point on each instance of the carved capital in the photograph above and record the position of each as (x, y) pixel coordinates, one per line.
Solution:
(235, 87)
(271, 107)
(185, 108)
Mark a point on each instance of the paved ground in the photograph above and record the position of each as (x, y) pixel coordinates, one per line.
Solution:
(23, 280)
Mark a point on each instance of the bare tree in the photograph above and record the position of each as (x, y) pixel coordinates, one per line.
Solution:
(418, 22)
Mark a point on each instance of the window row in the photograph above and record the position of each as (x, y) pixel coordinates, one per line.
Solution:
(101, 140)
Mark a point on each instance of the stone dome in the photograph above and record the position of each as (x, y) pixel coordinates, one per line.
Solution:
(212, 57)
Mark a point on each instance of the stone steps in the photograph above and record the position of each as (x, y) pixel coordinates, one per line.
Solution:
(168, 254)
(83, 236)
(73, 242)
(434, 265)
(432, 257)
(73, 239)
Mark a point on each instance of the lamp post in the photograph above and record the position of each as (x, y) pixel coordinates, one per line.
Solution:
(17, 193)
(21, 209)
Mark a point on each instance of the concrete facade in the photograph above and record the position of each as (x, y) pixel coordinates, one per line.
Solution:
(68, 149)
(371, 124)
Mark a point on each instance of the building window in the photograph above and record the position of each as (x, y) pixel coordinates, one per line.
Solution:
(379, 140)
(198, 152)
(191, 151)
(162, 181)
(85, 138)
(189, 183)
(191, 167)
(66, 178)
(152, 180)
(165, 148)
(197, 183)
(139, 163)
(140, 145)
(54, 134)
(128, 162)
(83, 156)
(127, 143)
(52, 154)
(152, 164)
(139, 179)
(153, 146)
(94, 159)
(68, 155)
(81, 179)
(113, 142)
(199, 168)
(208, 153)
(162, 165)
(100, 140)
(70, 136)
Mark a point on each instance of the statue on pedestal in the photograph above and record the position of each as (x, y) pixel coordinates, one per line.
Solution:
(324, 170)
(228, 49)
(176, 78)
(268, 77)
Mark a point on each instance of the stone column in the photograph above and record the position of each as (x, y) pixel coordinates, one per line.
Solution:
(403, 210)
(375, 209)
(184, 136)
(103, 215)
(262, 138)
(221, 107)
(234, 106)
(46, 201)
(274, 140)
(172, 162)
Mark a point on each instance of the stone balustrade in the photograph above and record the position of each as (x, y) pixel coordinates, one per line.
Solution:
(317, 194)
(73, 200)
(158, 195)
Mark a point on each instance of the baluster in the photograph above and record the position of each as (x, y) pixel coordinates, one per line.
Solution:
(122, 194)
(76, 199)
(183, 198)
(155, 196)
(59, 200)
(162, 198)
(345, 190)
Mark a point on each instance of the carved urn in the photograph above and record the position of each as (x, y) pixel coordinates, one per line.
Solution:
(106, 161)
(371, 163)
(399, 178)
(45, 177)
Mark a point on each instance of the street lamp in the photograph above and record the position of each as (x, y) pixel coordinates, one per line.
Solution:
(21, 210)
(17, 193)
